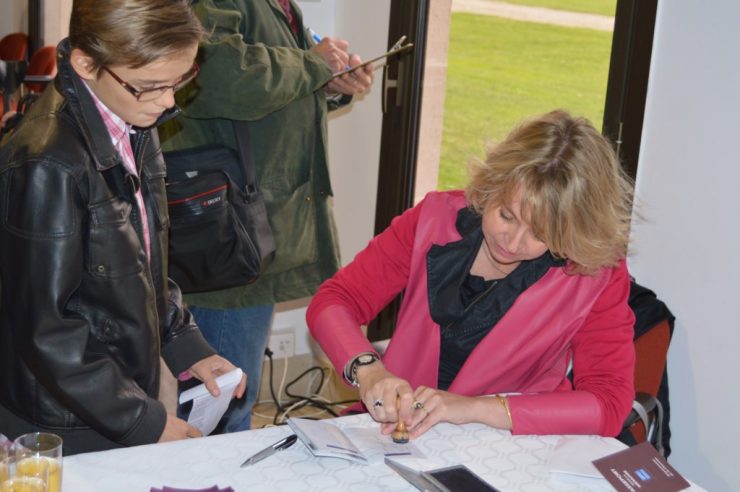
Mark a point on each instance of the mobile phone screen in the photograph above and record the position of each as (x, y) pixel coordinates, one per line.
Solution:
(460, 478)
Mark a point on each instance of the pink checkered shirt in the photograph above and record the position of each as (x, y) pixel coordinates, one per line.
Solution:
(119, 132)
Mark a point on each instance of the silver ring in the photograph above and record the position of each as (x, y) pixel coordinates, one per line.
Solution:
(419, 405)
(378, 403)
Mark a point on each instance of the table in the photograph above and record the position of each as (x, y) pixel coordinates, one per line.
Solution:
(511, 463)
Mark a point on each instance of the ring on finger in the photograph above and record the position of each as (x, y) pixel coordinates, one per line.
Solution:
(377, 403)
(419, 405)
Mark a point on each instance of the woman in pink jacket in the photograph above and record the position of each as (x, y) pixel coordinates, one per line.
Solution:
(507, 286)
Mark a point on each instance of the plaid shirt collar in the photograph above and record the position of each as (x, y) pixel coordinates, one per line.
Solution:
(119, 131)
(117, 127)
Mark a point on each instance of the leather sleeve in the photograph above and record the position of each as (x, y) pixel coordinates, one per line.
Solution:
(45, 236)
(183, 344)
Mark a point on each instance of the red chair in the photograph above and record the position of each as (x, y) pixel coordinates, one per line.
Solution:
(650, 417)
(14, 47)
(41, 69)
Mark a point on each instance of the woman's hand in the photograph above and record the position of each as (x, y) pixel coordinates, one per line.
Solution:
(208, 369)
(431, 406)
(176, 429)
(379, 389)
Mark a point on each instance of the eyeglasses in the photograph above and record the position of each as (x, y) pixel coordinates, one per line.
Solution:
(145, 95)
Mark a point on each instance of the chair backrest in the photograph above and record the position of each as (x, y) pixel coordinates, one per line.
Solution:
(651, 352)
(43, 62)
(14, 46)
(651, 410)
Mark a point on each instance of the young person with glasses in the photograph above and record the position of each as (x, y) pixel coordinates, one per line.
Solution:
(87, 308)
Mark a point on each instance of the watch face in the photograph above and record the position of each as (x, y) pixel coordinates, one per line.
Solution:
(366, 359)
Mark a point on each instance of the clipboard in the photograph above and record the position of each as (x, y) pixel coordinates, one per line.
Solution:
(396, 49)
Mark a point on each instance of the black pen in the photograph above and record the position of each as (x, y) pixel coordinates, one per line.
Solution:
(271, 449)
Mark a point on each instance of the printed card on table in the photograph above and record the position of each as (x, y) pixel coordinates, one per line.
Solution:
(640, 468)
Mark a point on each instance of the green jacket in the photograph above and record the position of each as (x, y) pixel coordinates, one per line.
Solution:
(254, 69)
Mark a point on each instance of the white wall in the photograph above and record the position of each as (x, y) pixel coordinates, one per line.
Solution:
(14, 18)
(58, 29)
(688, 247)
(354, 139)
(55, 12)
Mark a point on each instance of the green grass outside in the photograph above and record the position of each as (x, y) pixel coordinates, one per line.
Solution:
(501, 71)
(602, 7)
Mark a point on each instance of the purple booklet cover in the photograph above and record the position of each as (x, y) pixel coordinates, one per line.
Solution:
(640, 468)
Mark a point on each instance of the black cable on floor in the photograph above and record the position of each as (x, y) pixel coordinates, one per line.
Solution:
(300, 401)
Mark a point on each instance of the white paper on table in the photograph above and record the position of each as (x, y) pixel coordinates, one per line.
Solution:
(376, 446)
(207, 410)
(573, 456)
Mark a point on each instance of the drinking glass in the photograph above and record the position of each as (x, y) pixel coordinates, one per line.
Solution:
(10, 483)
(4, 465)
(39, 455)
(23, 484)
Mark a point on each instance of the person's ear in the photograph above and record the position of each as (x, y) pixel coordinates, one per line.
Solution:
(83, 64)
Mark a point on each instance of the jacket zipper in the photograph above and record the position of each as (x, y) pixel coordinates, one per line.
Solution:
(139, 144)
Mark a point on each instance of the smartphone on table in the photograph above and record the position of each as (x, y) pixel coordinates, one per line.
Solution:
(458, 478)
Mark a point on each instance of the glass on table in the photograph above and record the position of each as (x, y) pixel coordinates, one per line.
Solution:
(11, 483)
(4, 465)
(23, 484)
(39, 455)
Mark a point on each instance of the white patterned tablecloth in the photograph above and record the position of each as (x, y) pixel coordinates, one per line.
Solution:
(511, 463)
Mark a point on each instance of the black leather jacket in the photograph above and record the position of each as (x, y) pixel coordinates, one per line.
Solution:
(83, 314)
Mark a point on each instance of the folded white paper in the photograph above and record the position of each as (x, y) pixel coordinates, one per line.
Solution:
(208, 410)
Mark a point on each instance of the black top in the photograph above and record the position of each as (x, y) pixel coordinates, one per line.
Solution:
(467, 307)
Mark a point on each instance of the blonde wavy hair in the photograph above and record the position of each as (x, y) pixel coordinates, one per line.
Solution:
(574, 193)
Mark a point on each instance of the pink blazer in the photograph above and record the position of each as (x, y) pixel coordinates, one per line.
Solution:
(558, 320)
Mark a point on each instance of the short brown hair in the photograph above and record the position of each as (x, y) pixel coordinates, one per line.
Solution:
(575, 194)
(132, 33)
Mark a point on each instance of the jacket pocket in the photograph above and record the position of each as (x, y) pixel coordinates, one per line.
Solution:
(293, 221)
(113, 245)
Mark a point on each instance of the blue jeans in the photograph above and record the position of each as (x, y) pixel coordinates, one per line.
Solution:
(239, 335)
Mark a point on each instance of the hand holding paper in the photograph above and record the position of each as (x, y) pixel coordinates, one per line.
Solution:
(208, 409)
(208, 368)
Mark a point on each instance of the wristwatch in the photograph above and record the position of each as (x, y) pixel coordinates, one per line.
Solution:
(364, 359)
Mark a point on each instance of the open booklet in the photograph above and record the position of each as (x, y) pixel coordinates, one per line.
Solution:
(207, 410)
(360, 445)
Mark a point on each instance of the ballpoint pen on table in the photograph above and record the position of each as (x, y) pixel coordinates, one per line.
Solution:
(270, 450)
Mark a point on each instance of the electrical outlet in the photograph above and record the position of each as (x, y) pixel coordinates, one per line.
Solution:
(282, 343)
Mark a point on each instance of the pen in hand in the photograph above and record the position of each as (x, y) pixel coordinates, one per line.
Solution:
(270, 450)
(317, 39)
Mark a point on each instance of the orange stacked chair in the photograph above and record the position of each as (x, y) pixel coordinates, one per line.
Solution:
(14, 47)
(41, 69)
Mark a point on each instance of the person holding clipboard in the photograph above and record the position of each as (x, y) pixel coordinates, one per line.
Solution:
(260, 66)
